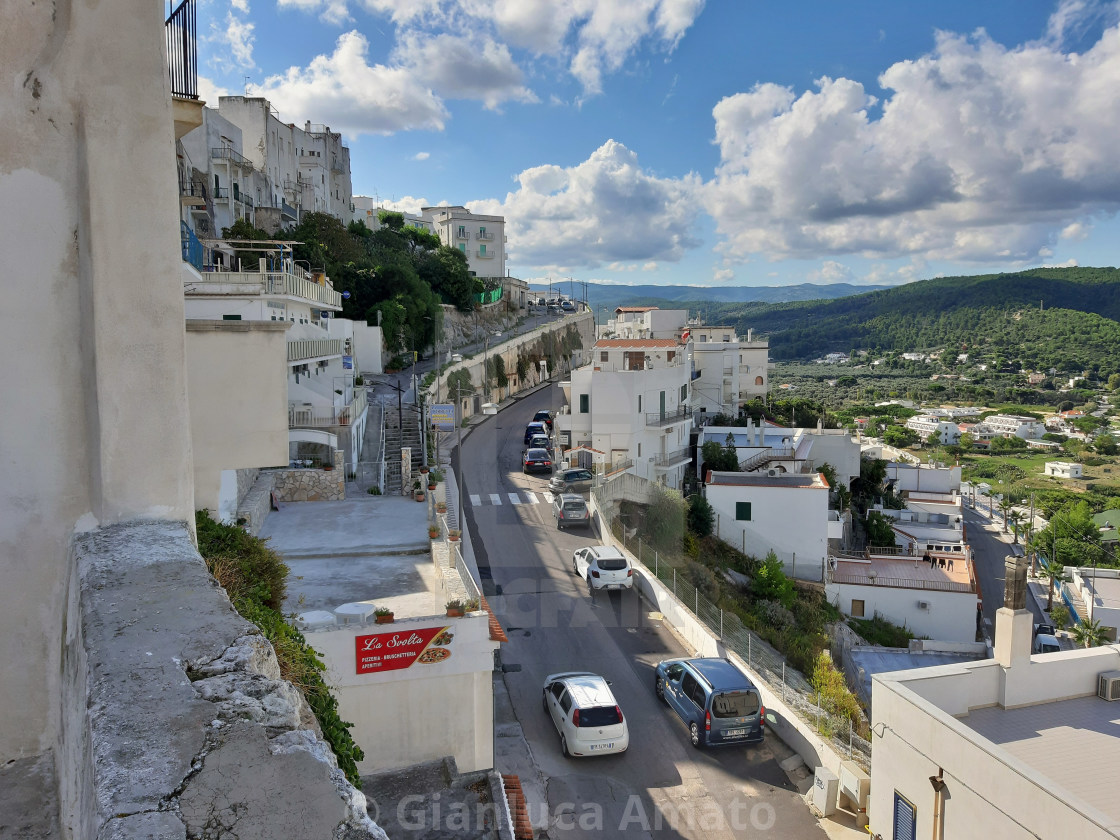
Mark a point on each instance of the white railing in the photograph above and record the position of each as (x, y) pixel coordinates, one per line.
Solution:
(303, 415)
(296, 283)
(310, 348)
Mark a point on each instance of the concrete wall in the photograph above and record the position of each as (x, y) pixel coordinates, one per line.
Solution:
(950, 616)
(790, 521)
(424, 711)
(238, 388)
(838, 448)
(94, 410)
(924, 479)
(368, 348)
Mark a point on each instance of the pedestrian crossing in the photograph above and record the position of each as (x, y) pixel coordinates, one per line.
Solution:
(522, 497)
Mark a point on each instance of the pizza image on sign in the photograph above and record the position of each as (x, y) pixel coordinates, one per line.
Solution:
(433, 654)
(393, 651)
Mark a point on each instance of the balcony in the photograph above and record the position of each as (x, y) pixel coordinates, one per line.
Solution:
(234, 157)
(666, 418)
(182, 50)
(288, 213)
(221, 193)
(192, 249)
(670, 460)
(462, 233)
(314, 348)
(294, 281)
(484, 236)
(288, 185)
(307, 415)
(484, 255)
(192, 194)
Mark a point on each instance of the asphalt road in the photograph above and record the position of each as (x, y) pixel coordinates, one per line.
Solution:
(662, 786)
(989, 552)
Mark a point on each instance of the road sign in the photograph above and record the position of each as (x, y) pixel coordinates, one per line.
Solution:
(442, 416)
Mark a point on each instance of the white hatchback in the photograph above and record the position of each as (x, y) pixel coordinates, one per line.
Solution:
(603, 567)
(585, 714)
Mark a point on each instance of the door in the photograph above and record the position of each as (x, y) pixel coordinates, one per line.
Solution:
(662, 405)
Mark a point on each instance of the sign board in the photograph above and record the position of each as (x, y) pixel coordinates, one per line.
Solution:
(442, 417)
(401, 649)
(347, 362)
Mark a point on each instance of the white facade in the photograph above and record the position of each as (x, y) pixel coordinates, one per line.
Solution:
(324, 165)
(927, 425)
(482, 239)
(786, 514)
(1099, 591)
(1063, 469)
(766, 446)
(1023, 747)
(1008, 425)
(632, 402)
(726, 370)
(944, 616)
(923, 478)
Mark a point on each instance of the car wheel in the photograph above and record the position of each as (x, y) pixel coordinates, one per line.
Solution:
(544, 702)
(659, 687)
(575, 567)
(564, 747)
(694, 733)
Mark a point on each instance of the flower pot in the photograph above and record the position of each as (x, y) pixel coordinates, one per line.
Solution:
(419, 496)
(453, 539)
(454, 613)
(431, 485)
(384, 619)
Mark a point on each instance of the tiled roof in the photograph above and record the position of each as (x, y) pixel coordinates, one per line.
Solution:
(497, 634)
(635, 308)
(636, 343)
(518, 812)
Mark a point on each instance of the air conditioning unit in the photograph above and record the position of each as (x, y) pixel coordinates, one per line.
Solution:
(1108, 685)
(923, 605)
(773, 473)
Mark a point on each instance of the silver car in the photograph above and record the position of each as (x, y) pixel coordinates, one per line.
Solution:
(572, 480)
(570, 509)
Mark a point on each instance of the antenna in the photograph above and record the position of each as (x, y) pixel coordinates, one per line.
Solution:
(247, 78)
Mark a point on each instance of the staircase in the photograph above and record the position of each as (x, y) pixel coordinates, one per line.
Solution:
(395, 439)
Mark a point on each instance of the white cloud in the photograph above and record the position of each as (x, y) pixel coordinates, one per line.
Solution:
(330, 11)
(240, 5)
(604, 210)
(209, 92)
(421, 156)
(830, 272)
(463, 67)
(1076, 232)
(232, 45)
(1070, 263)
(345, 92)
(408, 204)
(977, 151)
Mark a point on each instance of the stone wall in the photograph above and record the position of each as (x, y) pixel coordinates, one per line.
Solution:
(311, 485)
(245, 479)
(177, 723)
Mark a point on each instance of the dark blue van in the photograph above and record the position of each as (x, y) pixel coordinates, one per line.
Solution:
(716, 700)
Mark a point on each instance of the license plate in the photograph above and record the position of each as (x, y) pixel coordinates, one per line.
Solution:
(735, 733)
(614, 586)
(602, 747)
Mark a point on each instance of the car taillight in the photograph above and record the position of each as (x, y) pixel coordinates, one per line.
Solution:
(594, 573)
(547, 463)
(575, 718)
(707, 721)
(560, 515)
(629, 573)
(619, 710)
(762, 716)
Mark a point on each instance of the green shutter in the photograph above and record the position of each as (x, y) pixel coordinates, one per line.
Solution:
(743, 511)
(584, 403)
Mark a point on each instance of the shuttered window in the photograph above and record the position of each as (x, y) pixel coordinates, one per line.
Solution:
(904, 821)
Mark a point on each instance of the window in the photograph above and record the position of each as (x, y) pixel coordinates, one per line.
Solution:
(905, 823)
(639, 450)
(463, 248)
(231, 317)
(689, 686)
(857, 608)
(684, 392)
(566, 701)
(584, 403)
(482, 250)
(639, 403)
(604, 356)
(758, 380)
(482, 233)
(634, 360)
(743, 511)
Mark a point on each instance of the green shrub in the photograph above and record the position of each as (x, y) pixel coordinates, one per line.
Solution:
(701, 517)
(703, 579)
(879, 631)
(835, 698)
(254, 577)
(771, 584)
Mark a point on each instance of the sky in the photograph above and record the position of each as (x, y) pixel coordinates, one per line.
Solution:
(713, 142)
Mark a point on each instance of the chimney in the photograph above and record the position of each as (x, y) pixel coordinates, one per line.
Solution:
(1014, 622)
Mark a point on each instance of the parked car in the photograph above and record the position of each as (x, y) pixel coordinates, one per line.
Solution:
(570, 509)
(716, 700)
(1045, 643)
(540, 442)
(1044, 629)
(568, 306)
(585, 714)
(536, 460)
(543, 415)
(574, 479)
(603, 567)
(535, 429)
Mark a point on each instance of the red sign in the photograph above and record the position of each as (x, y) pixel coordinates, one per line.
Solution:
(393, 651)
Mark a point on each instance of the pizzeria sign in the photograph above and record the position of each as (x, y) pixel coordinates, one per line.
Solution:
(394, 651)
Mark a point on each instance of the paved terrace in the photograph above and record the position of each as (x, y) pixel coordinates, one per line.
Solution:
(906, 571)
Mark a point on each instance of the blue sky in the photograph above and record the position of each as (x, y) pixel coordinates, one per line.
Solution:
(724, 142)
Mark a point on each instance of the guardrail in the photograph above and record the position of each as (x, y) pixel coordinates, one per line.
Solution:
(901, 583)
(664, 418)
(182, 50)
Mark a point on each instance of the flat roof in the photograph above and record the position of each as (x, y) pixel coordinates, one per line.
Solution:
(1074, 743)
(607, 343)
(906, 572)
(1106, 588)
(635, 308)
(735, 479)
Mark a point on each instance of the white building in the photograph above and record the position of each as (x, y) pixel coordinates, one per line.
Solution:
(784, 513)
(726, 370)
(938, 601)
(1014, 747)
(923, 478)
(765, 446)
(1012, 425)
(927, 425)
(646, 322)
(324, 165)
(1097, 593)
(632, 402)
(481, 238)
(1063, 469)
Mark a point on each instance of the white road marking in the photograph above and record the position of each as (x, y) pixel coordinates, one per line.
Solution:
(495, 499)
(548, 497)
(476, 500)
(533, 500)
(514, 499)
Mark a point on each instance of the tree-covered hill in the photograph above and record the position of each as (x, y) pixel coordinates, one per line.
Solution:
(1061, 317)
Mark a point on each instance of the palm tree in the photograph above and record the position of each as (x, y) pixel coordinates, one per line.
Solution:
(1089, 633)
(1005, 504)
(1054, 572)
(1015, 518)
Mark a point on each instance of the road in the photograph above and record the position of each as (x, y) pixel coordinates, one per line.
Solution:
(989, 552)
(661, 787)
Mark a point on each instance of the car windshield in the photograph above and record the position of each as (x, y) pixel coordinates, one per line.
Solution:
(735, 704)
(599, 716)
(536, 455)
(612, 564)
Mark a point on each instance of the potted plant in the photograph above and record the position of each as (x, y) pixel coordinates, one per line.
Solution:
(383, 615)
(433, 532)
(424, 470)
(471, 605)
(417, 491)
(436, 476)
(453, 534)
(455, 608)
(441, 507)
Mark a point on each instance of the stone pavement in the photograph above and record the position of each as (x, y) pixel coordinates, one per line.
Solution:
(360, 526)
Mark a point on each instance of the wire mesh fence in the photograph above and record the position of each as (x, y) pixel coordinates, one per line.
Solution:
(772, 667)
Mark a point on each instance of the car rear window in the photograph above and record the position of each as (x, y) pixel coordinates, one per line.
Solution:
(536, 455)
(575, 506)
(599, 716)
(612, 564)
(729, 704)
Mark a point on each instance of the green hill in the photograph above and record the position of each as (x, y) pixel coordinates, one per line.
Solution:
(1060, 317)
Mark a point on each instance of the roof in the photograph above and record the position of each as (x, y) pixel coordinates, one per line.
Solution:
(636, 343)
(586, 689)
(634, 308)
(497, 634)
(720, 673)
(735, 479)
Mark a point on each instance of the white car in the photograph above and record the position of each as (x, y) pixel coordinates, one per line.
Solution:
(603, 567)
(585, 714)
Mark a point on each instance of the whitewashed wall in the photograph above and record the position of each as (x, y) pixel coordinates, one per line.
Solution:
(950, 616)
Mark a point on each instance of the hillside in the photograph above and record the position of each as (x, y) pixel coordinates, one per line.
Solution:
(680, 297)
(1044, 317)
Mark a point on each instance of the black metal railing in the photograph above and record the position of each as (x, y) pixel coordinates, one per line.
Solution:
(664, 418)
(182, 50)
